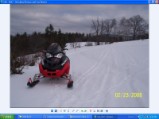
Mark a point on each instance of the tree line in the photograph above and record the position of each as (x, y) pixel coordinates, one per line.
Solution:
(112, 30)
(108, 30)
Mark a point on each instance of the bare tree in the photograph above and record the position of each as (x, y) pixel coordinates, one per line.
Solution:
(123, 28)
(96, 28)
(109, 24)
(118, 30)
(102, 27)
(137, 25)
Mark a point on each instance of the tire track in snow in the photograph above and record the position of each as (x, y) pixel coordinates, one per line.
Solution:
(81, 80)
(97, 67)
(85, 80)
(98, 85)
(93, 67)
(90, 68)
(125, 80)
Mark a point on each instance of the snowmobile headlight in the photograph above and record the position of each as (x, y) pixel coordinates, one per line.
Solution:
(48, 55)
(58, 55)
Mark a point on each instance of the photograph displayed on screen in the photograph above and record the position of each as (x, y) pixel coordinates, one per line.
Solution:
(79, 56)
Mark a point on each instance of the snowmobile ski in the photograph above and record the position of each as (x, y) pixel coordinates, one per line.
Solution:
(70, 84)
(70, 81)
(32, 83)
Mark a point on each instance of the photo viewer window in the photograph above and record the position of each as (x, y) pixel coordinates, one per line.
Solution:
(79, 59)
(107, 57)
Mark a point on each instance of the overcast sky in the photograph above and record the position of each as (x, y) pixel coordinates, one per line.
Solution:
(68, 18)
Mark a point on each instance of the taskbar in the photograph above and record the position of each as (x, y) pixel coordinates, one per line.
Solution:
(79, 116)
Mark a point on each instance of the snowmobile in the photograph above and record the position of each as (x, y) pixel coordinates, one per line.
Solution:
(55, 64)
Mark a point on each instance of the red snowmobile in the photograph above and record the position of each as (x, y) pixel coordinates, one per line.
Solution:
(55, 64)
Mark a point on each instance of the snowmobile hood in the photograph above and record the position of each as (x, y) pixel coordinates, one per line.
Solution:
(54, 48)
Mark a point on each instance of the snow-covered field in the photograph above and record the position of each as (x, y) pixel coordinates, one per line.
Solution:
(98, 73)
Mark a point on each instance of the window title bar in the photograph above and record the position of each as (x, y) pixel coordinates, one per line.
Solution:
(79, 1)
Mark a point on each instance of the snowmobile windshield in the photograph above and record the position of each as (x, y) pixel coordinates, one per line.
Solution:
(54, 48)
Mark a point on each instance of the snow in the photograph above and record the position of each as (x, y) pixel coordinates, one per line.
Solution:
(98, 73)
